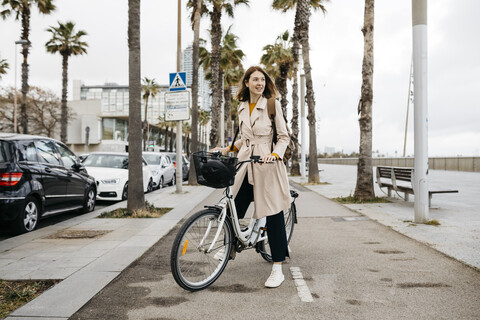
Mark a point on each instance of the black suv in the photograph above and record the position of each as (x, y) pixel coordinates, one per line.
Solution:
(40, 176)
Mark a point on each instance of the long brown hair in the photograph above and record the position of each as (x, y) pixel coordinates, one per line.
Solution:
(243, 93)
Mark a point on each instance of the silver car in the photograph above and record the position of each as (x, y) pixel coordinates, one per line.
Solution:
(163, 170)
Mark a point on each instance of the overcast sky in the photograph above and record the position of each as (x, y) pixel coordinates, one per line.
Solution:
(336, 54)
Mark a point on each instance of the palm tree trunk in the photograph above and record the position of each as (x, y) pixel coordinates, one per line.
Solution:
(282, 87)
(192, 177)
(227, 95)
(25, 50)
(364, 188)
(136, 198)
(145, 125)
(166, 138)
(304, 7)
(64, 114)
(295, 169)
(216, 32)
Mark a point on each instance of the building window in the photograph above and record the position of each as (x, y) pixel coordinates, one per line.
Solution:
(108, 128)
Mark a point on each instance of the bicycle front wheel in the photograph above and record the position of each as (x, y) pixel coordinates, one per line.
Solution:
(289, 216)
(192, 266)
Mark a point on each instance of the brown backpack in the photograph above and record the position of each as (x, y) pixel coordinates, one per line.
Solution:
(291, 146)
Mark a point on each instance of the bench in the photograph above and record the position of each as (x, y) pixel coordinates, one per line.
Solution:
(392, 177)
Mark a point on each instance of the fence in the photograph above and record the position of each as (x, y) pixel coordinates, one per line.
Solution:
(471, 164)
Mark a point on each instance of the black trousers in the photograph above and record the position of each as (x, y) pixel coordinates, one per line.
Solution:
(277, 236)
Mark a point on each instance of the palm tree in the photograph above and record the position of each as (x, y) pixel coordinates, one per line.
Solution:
(150, 88)
(136, 198)
(196, 6)
(203, 120)
(186, 130)
(232, 70)
(230, 67)
(3, 67)
(302, 21)
(364, 188)
(67, 42)
(279, 57)
(22, 9)
(214, 10)
(286, 5)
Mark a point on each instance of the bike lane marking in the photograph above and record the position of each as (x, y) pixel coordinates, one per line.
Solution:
(302, 288)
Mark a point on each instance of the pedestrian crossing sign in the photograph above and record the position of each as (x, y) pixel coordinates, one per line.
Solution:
(178, 81)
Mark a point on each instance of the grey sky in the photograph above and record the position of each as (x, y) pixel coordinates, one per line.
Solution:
(336, 56)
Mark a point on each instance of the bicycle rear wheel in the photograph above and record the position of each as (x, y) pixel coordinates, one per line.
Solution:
(192, 267)
(290, 216)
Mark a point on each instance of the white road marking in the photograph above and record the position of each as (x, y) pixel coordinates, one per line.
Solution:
(302, 288)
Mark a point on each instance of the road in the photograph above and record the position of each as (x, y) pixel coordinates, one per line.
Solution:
(352, 267)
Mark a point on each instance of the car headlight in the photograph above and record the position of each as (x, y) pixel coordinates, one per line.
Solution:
(111, 181)
(155, 172)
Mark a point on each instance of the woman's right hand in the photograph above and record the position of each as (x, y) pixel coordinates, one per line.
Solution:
(224, 151)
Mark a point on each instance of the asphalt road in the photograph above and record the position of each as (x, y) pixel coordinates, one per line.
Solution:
(353, 268)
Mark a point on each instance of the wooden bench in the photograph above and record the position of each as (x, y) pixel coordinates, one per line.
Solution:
(392, 177)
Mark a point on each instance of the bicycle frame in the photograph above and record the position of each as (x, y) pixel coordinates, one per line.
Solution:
(249, 237)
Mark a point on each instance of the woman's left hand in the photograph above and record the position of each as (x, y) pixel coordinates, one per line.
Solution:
(269, 158)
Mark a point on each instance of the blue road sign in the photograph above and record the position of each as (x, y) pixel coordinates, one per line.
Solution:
(178, 81)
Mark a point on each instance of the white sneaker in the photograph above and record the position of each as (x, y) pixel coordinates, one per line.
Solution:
(219, 254)
(275, 280)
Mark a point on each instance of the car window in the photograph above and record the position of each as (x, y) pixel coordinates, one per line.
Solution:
(3, 151)
(167, 160)
(106, 161)
(68, 157)
(152, 159)
(46, 152)
(27, 151)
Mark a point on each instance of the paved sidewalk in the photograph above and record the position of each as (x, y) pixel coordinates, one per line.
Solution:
(458, 234)
(87, 265)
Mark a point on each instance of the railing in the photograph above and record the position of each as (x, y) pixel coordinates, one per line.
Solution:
(470, 164)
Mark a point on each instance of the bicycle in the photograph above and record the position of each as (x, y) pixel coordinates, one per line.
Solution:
(211, 237)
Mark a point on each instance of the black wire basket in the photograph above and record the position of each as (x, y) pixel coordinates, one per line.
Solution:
(214, 170)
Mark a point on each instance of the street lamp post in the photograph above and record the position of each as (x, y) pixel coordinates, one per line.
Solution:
(22, 42)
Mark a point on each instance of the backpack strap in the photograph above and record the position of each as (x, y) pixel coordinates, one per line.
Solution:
(272, 112)
(234, 139)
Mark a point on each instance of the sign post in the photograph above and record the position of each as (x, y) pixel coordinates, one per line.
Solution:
(177, 108)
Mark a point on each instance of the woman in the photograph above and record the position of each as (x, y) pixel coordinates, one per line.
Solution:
(267, 184)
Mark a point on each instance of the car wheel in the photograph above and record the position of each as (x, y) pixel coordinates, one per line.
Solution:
(27, 220)
(90, 200)
(160, 183)
(125, 192)
(173, 180)
(150, 186)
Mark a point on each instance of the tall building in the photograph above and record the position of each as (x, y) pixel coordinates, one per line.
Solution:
(204, 92)
(105, 110)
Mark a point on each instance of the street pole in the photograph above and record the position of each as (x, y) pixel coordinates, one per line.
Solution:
(22, 42)
(408, 107)
(178, 173)
(420, 185)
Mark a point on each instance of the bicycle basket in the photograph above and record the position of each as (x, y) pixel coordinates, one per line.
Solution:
(214, 170)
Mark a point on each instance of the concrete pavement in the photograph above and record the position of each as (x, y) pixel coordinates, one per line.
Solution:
(458, 234)
(88, 265)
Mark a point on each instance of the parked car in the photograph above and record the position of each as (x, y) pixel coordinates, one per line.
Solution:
(40, 176)
(163, 170)
(110, 170)
(185, 163)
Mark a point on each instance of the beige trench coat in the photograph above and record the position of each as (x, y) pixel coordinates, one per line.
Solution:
(270, 181)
